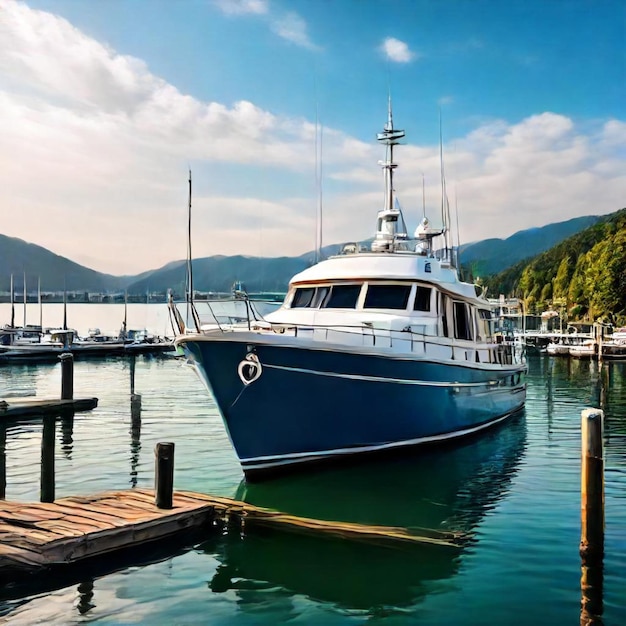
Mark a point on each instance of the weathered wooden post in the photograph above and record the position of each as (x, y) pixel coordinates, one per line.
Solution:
(46, 492)
(133, 359)
(164, 475)
(135, 398)
(135, 408)
(592, 516)
(67, 376)
(3, 461)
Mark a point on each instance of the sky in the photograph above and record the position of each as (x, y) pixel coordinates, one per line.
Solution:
(274, 106)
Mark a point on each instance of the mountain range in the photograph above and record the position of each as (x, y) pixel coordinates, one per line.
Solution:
(218, 273)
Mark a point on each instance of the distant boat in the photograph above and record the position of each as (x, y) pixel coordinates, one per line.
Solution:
(614, 347)
(372, 350)
(588, 349)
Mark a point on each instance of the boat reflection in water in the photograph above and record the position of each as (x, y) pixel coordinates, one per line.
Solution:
(449, 489)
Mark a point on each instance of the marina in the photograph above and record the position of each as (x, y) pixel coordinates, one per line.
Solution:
(513, 493)
(377, 375)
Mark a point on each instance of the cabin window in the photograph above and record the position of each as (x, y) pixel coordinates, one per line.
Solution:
(443, 312)
(484, 322)
(321, 293)
(422, 298)
(342, 297)
(462, 324)
(309, 297)
(303, 298)
(387, 297)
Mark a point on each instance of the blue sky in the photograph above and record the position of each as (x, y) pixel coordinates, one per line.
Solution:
(107, 104)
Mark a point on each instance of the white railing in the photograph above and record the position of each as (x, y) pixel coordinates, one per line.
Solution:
(406, 341)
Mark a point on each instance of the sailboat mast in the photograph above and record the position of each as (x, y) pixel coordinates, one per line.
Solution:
(12, 303)
(64, 305)
(191, 310)
(24, 324)
(40, 304)
(189, 264)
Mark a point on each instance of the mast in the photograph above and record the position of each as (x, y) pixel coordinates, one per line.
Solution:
(390, 137)
(12, 303)
(189, 264)
(123, 332)
(190, 307)
(40, 304)
(64, 306)
(24, 324)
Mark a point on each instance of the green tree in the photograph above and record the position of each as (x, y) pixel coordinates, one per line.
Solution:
(562, 278)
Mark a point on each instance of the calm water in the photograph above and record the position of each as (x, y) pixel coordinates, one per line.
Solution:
(515, 490)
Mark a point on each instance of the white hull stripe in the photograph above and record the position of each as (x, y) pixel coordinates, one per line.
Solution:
(262, 462)
(382, 379)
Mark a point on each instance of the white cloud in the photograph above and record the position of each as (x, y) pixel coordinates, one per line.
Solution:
(289, 26)
(293, 28)
(397, 51)
(95, 151)
(242, 7)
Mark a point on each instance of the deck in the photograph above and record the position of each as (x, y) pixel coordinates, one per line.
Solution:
(36, 535)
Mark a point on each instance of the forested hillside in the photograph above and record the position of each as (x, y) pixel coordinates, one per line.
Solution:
(586, 274)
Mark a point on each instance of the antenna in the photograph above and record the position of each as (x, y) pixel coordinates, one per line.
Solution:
(445, 205)
(320, 189)
(318, 180)
(458, 232)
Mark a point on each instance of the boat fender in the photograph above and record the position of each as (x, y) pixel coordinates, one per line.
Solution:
(249, 369)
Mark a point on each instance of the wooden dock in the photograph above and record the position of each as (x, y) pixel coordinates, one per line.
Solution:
(35, 535)
(27, 407)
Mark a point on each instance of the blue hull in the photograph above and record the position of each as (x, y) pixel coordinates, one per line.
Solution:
(307, 403)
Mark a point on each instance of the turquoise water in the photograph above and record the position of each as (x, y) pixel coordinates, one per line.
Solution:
(514, 493)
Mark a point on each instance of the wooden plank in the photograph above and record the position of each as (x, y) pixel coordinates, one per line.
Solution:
(89, 545)
(102, 514)
(38, 534)
(21, 555)
(86, 512)
(20, 407)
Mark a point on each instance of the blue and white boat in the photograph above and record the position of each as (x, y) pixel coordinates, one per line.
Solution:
(374, 349)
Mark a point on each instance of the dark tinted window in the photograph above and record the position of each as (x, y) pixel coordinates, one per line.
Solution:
(422, 299)
(387, 296)
(342, 297)
(320, 295)
(461, 321)
(302, 297)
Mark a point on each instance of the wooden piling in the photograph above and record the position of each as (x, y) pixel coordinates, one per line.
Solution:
(133, 359)
(135, 407)
(592, 516)
(47, 459)
(3, 461)
(164, 475)
(67, 376)
(592, 482)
